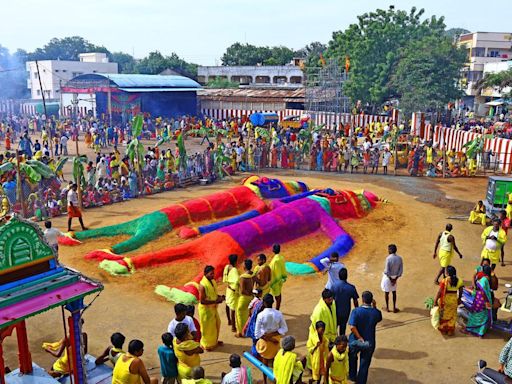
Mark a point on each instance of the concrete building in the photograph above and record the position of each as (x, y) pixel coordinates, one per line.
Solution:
(482, 48)
(55, 73)
(264, 76)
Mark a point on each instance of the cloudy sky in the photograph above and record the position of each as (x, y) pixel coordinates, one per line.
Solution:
(200, 30)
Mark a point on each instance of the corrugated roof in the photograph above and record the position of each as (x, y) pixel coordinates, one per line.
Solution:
(141, 81)
(158, 89)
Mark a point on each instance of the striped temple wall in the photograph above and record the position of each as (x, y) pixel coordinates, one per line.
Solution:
(327, 118)
(451, 138)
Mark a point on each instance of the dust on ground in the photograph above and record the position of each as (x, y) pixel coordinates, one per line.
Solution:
(409, 350)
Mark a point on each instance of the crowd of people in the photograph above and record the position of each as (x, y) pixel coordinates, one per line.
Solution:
(253, 302)
(232, 145)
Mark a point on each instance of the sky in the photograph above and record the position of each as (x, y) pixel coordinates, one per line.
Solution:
(200, 30)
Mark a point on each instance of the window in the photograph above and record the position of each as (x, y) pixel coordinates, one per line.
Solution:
(478, 52)
(36, 75)
(38, 92)
(493, 53)
(56, 70)
(475, 75)
(64, 70)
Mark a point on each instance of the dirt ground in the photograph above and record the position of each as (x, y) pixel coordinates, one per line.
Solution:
(409, 350)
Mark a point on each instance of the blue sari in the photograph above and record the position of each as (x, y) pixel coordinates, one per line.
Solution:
(250, 327)
(480, 317)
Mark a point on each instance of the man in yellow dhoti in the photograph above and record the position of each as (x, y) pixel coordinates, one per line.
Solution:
(209, 318)
(278, 268)
(246, 284)
(493, 239)
(446, 243)
(262, 275)
(231, 277)
(318, 349)
(325, 311)
(477, 215)
(337, 362)
(287, 367)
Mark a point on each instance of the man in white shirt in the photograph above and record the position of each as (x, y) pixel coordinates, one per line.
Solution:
(73, 208)
(270, 327)
(238, 374)
(64, 145)
(52, 235)
(181, 317)
(332, 268)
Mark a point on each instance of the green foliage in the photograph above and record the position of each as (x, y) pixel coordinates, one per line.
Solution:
(374, 45)
(220, 83)
(453, 33)
(499, 80)
(137, 123)
(156, 63)
(429, 303)
(248, 54)
(125, 61)
(67, 48)
(426, 74)
(78, 170)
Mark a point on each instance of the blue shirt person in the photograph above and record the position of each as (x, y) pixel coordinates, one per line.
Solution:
(344, 293)
(168, 361)
(363, 321)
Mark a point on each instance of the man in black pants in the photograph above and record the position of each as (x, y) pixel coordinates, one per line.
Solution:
(344, 292)
(363, 321)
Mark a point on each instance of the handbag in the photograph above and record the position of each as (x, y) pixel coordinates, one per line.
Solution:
(435, 316)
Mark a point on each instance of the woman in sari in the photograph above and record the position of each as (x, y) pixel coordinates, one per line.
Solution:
(480, 314)
(187, 351)
(255, 307)
(448, 298)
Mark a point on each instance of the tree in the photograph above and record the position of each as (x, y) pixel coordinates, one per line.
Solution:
(220, 83)
(156, 63)
(125, 61)
(374, 44)
(499, 80)
(248, 54)
(67, 48)
(427, 74)
(454, 33)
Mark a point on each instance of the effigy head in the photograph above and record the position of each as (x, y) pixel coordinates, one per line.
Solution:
(346, 204)
(274, 188)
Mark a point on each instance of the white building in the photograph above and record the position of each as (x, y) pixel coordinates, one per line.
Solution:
(259, 75)
(55, 73)
(482, 48)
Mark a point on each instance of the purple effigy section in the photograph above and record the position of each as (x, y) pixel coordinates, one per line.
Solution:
(285, 223)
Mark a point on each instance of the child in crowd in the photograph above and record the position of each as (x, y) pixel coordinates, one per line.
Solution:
(191, 312)
(337, 361)
(318, 349)
(168, 361)
(114, 351)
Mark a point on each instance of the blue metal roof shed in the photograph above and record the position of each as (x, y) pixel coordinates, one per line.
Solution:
(159, 95)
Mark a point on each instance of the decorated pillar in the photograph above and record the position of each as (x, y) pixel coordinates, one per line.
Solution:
(75, 338)
(24, 357)
(3, 334)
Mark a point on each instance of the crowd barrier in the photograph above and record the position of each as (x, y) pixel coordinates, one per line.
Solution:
(451, 138)
(320, 118)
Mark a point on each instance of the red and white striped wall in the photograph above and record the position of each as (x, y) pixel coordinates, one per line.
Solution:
(451, 138)
(320, 118)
